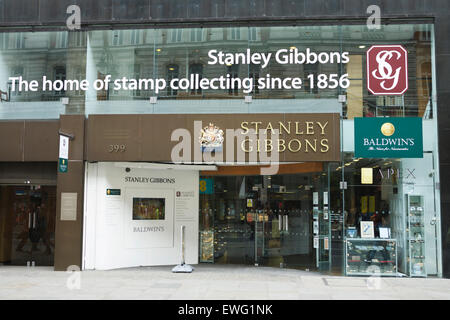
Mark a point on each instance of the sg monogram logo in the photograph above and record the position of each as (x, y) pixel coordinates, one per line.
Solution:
(387, 70)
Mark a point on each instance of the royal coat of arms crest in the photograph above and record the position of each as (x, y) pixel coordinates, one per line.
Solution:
(211, 138)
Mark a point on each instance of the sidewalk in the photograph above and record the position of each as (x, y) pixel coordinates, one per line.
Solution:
(210, 282)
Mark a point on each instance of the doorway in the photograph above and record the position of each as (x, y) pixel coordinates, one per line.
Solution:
(27, 225)
(278, 221)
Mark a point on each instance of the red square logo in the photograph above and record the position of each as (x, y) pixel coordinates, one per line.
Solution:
(387, 70)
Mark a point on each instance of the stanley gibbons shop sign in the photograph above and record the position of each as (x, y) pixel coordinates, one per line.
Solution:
(388, 138)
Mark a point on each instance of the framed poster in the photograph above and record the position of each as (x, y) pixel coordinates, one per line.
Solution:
(367, 230)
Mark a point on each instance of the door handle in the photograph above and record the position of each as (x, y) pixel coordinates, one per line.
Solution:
(286, 223)
(34, 220)
(280, 222)
(29, 220)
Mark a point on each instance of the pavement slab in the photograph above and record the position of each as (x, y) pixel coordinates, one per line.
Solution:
(210, 282)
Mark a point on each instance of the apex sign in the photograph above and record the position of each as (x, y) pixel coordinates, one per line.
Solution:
(387, 70)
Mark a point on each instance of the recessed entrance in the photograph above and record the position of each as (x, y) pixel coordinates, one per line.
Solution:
(27, 225)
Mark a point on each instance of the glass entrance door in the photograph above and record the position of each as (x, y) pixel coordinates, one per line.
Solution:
(27, 221)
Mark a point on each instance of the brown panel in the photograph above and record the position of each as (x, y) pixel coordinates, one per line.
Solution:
(68, 234)
(256, 170)
(106, 131)
(41, 140)
(156, 133)
(148, 137)
(11, 141)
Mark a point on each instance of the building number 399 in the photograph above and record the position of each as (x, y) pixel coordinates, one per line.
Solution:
(116, 148)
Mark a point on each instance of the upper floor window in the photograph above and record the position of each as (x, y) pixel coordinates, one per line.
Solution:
(252, 34)
(196, 35)
(80, 39)
(196, 68)
(135, 37)
(117, 38)
(61, 40)
(172, 73)
(176, 35)
(59, 74)
(235, 33)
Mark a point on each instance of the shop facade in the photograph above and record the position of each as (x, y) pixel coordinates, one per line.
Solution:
(340, 180)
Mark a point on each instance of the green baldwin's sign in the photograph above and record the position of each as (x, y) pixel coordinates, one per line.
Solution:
(388, 138)
(63, 163)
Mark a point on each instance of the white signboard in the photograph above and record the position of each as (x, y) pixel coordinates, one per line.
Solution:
(315, 198)
(316, 242)
(367, 230)
(69, 206)
(63, 147)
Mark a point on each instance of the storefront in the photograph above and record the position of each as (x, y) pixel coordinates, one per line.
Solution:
(331, 178)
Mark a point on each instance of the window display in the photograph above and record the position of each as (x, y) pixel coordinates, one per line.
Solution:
(371, 256)
(148, 208)
(415, 236)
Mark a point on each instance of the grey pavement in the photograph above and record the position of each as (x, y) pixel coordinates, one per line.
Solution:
(210, 282)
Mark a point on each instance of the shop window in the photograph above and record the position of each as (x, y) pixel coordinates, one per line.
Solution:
(172, 71)
(196, 68)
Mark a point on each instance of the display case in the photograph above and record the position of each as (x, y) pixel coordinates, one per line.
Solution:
(415, 235)
(207, 246)
(366, 257)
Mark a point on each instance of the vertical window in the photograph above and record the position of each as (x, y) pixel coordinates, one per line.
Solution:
(254, 73)
(233, 71)
(196, 68)
(61, 40)
(135, 74)
(196, 35)
(314, 70)
(252, 34)
(235, 33)
(80, 39)
(15, 72)
(172, 73)
(59, 74)
(135, 37)
(117, 38)
(176, 35)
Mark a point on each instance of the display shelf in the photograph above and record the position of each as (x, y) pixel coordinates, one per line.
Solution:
(367, 257)
(415, 248)
(207, 246)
